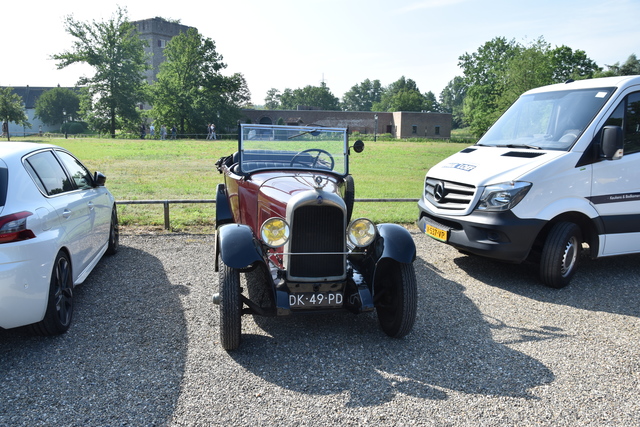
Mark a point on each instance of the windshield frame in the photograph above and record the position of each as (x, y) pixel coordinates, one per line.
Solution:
(563, 116)
(278, 147)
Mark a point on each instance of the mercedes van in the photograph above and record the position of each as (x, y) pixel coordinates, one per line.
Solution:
(559, 169)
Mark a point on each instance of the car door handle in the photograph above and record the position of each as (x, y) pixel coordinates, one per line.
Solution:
(66, 213)
(90, 204)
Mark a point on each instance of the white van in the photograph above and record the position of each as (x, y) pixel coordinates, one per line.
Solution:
(560, 168)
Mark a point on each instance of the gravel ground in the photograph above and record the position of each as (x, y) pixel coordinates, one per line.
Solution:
(491, 346)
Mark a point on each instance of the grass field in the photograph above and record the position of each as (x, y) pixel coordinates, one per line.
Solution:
(185, 169)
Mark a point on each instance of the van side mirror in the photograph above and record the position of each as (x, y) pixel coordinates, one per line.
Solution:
(612, 143)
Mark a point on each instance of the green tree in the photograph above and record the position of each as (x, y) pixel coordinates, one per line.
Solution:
(527, 68)
(272, 100)
(630, 67)
(191, 91)
(118, 87)
(430, 103)
(452, 100)
(568, 64)
(57, 105)
(12, 109)
(319, 97)
(484, 74)
(362, 96)
(500, 71)
(401, 95)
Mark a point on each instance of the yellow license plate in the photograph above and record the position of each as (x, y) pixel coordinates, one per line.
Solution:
(436, 233)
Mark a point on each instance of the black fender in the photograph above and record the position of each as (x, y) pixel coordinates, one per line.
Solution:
(223, 209)
(395, 242)
(236, 246)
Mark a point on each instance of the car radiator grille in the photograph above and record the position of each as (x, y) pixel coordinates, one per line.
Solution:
(317, 229)
(448, 194)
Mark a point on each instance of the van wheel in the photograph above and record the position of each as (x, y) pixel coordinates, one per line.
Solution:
(560, 254)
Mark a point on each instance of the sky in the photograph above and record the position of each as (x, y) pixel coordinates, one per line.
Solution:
(292, 44)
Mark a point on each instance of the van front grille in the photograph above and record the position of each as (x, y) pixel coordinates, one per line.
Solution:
(448, 194)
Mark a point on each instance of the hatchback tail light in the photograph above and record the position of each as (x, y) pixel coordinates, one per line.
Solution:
(14, 227)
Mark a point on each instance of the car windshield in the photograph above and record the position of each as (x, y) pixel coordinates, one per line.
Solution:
(293, 147)
(549, 120)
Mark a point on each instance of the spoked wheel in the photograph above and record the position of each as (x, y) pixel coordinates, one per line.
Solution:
(560, 255)
(114, 233)
(57, 318)
(230, 307)
(396, 294)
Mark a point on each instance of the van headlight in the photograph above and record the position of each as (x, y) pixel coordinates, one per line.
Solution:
(361, 232)
(504, 196)
(275, 232)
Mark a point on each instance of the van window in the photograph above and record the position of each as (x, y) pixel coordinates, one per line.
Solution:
(549, 120)
(627, 116)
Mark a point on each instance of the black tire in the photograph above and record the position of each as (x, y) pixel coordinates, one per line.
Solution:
(396, 298)
(349, 196)
(59, 314)
(114, 233)
(560, 255)
(230, 307)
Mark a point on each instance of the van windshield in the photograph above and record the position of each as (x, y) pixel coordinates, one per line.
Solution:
(549, 120)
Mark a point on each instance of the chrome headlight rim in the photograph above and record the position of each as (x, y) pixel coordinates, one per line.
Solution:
(361, 232)
(275, 232)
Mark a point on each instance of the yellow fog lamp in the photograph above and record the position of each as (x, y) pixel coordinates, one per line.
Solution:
(275, 232)
(361, 232)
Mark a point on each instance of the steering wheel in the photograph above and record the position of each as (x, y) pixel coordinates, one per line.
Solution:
(315, 158)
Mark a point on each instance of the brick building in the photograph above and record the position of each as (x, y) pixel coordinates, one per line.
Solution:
(401, 124)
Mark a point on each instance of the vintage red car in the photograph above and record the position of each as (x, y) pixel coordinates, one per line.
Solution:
(283, 219)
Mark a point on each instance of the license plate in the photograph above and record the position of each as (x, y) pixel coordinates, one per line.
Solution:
(437, 233)
(315, 299)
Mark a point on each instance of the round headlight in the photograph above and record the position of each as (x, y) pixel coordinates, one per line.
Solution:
(361, 232)
(275, 232)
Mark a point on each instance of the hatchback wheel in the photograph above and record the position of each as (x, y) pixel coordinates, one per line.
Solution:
(114, 233)
(57, 318)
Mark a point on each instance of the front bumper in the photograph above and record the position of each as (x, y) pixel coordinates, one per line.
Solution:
(498, 235)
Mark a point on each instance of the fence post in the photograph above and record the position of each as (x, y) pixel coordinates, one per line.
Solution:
(166, 214)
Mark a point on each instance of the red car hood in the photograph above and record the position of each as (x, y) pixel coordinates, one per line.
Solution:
(279, 187)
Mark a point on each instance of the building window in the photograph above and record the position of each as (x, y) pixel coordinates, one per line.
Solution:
(414, 129)
(162, 43)
(437, 130)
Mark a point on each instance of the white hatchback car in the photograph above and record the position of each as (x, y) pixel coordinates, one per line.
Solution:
(56, 222)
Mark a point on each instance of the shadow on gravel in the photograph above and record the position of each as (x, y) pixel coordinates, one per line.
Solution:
(609, 284)
(121, 362)
(450, 348)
